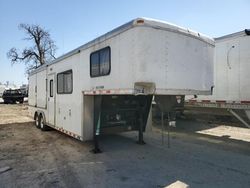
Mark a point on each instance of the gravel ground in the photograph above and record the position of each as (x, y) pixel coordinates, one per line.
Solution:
(52, 159)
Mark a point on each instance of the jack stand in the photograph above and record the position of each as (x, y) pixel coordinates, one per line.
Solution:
(162, 128)
(140, 133)
(169, 129)
(97, 123)
(96, 149)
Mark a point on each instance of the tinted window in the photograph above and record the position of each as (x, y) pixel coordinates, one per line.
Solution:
(95, 64)
(100, 62)
(12, 92)
(65, 82)
(51, 88)
(104, 61)
(60, 83)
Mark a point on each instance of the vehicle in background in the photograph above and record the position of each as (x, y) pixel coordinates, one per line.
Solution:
(12, 96)
(24, 89)
(231, 77)
(6, 86)
(108, 84)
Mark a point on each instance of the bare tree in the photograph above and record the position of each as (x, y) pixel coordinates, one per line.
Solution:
(40, 53)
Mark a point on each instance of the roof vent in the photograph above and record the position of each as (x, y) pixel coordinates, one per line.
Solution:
(247, 31)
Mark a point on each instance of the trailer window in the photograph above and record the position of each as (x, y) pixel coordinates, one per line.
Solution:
(100, 62)
(51, 88)
(65, 82)
(60, 83)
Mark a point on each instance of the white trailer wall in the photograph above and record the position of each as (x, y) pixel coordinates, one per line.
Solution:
(138, 56)
(68, 107)
(41, 90)
(244, 68)
(231, 69)
(32, 90)
(184, 62)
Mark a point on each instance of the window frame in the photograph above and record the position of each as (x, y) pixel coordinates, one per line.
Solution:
(99, 51)
(67, 71)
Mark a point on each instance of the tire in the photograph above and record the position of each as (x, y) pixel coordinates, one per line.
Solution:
(21, 101)
(37, 123)
(42, 123)
(5, 102)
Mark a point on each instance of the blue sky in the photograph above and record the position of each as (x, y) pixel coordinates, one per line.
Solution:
(75, 22)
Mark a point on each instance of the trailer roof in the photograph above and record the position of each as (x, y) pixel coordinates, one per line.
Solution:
(145, 22)
(234, 35)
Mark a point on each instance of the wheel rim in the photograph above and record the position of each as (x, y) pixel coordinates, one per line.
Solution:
(41, 123)
(37, 121)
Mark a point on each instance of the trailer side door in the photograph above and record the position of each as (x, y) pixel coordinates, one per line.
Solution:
(51, 99)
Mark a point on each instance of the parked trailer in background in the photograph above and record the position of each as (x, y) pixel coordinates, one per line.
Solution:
(231, 76)
(107, 85)
(2, 88)
(24, 89)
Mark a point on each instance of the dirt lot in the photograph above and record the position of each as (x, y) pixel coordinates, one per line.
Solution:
(52, 159)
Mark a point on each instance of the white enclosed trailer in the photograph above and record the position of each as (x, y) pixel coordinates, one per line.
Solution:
(107, 85)
(231, 77)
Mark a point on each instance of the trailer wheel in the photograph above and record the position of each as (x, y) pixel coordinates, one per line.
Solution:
(37, 123)
(42, 123)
